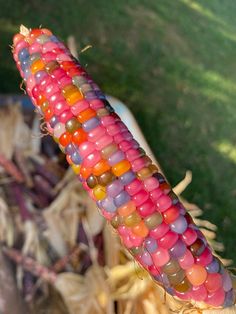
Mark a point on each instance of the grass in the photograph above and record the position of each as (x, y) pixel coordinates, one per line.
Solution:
(173, 63)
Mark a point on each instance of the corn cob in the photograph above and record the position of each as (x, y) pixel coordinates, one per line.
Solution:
(128, 188)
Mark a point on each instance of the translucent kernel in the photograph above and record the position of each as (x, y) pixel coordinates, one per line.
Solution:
(171, 267)
(37, 66)
(101, 167)
(72, 125)
(99, 192)
(140, 230)
(153, 221)
(183, 286)
(196, 274)
(121, 167)
(144, 173)
(127, 209)
(86, 115)
(132, 220)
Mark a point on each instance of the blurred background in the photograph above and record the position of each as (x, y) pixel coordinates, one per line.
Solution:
(173, 64)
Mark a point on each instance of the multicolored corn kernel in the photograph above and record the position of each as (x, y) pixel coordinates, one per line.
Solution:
(129, 190)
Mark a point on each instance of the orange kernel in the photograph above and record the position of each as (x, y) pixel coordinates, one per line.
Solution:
(86, 115)
(101, 167)
(140, 230)
(37, 66)
(121, 167)
(127, 209)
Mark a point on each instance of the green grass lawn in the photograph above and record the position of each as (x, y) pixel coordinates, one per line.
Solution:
(173, 62)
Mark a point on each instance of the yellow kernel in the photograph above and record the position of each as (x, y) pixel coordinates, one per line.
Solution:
(75, 168)
(99, 192)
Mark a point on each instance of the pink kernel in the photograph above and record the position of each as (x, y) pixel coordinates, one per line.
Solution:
(156, 194)
(146, 209)
(151, 184)
(36, 91)
(79, 106)
(138, 164)
(216, 298)
(122, 126)
(51, 89)
(118, 138)
(187, 260)
(104, 141)
(159, 231)
(96, 133)
(96, 104)
(123, 230)
(213, 282)
(35, 47)
(45, 82)
(205, 258)
(30, 82)
(56, 98)
(125, 145)
(64, 81)
(189, 236)
(132, 154)
(134, 187)
(86, 148)
(58, 73)
(163, 203)
(199, 293)
(127, 242)
(65, 116)
(168, 240)
(92, 159)
(60, 107)
(161, 257)
(183, 295)
(113, 129)
(48, 56)
(107, 120)
(141, 197)
(136, 240)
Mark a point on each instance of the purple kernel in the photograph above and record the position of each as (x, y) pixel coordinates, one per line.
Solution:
(116, 157)
(178, 250)
(39, 76)
(108, 204)
(213, 267)
(75, 157)
(114, 188)
(127, 177)
(151, 245)
(146, 258)
(179, 225)
(121, 198)
(70, 149)
(91, 124)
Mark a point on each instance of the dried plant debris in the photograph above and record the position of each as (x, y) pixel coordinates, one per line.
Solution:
(65, 258)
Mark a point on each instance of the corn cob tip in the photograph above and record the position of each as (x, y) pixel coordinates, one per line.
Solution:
(24, 30)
